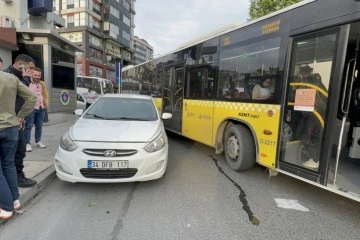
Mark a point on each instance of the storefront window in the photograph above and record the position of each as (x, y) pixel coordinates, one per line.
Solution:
(63, 69)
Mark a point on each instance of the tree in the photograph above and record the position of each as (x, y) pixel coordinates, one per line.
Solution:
(259, 8)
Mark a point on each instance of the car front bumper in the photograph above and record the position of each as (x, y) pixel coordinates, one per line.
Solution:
(143, 166)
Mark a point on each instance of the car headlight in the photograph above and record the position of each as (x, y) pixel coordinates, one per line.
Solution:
(158, 143)
(66, 143)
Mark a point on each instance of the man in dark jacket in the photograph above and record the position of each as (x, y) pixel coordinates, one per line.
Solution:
(22, 69)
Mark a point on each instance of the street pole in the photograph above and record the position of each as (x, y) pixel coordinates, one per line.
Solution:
(118, 72)
(121, 74)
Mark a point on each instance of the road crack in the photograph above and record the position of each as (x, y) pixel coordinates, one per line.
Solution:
(119, 224)
(254, 220)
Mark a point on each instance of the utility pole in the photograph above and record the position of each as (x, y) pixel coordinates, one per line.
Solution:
(118, 72)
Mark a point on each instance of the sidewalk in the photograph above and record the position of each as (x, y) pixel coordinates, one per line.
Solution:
(39, 164)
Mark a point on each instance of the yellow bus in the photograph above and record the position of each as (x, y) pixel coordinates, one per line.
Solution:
(280, 91)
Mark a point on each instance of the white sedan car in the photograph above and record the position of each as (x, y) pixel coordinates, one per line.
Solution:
(119, 138)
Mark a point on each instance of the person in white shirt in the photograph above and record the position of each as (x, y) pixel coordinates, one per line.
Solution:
(262, 91)
(90, 98)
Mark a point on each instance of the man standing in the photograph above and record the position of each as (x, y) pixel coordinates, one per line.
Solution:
(38, 87)
(22, 69)
(10, 88)
(90, 98)
(312, 130)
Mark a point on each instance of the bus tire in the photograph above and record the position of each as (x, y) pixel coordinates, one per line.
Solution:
(239, 148)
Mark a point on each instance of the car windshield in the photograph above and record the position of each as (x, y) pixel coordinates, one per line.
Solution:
(113, 108)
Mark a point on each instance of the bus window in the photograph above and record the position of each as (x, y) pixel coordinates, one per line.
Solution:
(200, 83)
(239, 63)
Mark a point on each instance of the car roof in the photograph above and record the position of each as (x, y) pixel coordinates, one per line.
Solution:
(126, 95)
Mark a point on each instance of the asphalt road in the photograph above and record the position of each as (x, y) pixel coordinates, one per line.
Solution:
(198, 198)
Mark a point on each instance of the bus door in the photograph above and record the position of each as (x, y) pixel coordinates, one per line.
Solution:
(167, 80)
(198, 116)
(312, 63)
(173, 96)
(319, 134)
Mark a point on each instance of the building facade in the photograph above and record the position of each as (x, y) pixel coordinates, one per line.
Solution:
(103, 29)
(143, 50)
(29, 27)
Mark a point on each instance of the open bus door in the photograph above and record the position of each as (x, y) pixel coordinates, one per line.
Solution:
(317, 128)
(173, 92)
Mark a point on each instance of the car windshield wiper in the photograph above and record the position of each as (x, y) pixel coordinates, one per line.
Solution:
(94, 115)
(97, 116)
(129, 118)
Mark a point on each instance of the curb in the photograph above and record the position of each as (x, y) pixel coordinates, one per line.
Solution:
(26, 194)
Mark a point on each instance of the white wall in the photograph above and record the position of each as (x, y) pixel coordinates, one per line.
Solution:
(17, 10)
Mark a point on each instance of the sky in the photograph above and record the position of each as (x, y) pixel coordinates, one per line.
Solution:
(166, 24)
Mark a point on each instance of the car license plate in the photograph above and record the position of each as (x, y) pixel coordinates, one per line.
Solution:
(107, 164)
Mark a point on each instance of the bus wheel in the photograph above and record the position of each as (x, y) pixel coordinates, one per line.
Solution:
(239, 148)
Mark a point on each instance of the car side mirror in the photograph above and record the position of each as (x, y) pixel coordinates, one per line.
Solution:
(78, 112)
(166, 116)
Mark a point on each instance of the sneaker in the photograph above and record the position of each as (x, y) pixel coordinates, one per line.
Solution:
(25, 182)
(40, 144)
(17, 205)
(28, 147)
(311, 164)
(5, 214)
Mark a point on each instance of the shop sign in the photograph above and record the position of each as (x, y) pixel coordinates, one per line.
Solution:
(95, 71)
(126, 54)
(110, 74)
(72, 36)
(112, 49)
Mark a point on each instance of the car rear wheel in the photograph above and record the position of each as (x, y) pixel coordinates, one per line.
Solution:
(239, 148)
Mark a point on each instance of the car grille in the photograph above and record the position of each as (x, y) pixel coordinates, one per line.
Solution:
(119, 152)
(108, 174)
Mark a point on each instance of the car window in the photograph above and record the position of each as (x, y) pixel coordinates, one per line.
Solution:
(123, 109)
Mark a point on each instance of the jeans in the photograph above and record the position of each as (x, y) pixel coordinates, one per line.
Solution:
(37, 118)
(20, 152)
(8, 178)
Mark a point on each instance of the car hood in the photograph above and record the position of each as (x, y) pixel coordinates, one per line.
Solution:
(114, 130)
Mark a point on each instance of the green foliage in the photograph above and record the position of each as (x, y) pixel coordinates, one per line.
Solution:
(259, 8)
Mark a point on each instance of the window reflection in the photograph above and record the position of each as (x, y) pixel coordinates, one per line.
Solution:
(242, 67)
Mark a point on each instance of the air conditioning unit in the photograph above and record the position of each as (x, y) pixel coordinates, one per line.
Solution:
(106, 26)
(5, 21)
